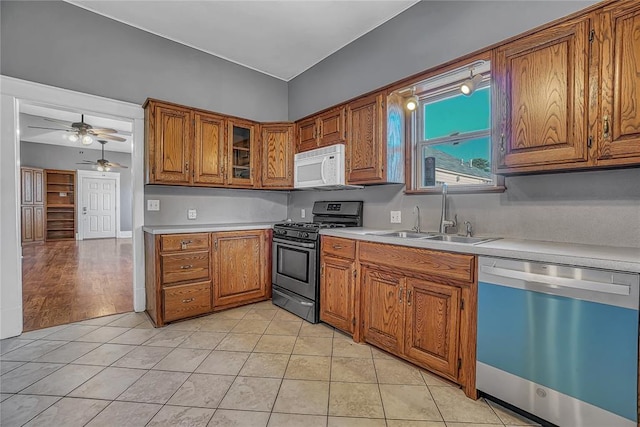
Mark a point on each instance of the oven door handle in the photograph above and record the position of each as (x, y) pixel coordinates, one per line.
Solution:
(295, 244)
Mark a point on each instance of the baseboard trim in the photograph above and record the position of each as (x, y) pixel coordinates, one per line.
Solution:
(125, 234)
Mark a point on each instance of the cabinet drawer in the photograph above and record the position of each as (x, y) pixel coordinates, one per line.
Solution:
(182, 267)
(184, 242)
(186, 300)
(422, 261)
(336, 246)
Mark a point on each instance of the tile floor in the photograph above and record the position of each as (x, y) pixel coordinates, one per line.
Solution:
(250, 366)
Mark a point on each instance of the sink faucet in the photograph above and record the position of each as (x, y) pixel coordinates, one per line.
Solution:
(416, 226)
(468, 229)
(444, 222)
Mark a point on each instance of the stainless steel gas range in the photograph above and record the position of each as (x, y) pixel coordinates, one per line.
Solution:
(296, 256)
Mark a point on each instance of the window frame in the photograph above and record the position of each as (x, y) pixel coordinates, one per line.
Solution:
(415, 132)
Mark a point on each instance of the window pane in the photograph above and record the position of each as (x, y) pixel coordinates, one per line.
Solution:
(458, 113)
(458, 163)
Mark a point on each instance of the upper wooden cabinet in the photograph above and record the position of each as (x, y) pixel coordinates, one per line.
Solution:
(618, 124)
(277, 155)
(324, 129)
(187, 146)
(375, 140)
(540, 88)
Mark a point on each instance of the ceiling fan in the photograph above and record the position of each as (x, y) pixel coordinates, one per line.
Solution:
(84, 132)
(103, 165)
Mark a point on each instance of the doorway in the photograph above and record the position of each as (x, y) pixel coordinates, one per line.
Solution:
(16, 94)
(98, 205)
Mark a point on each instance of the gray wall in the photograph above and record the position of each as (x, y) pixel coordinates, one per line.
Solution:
(48, 156)
(214, 206)
(59, 44)
(426, 35)
(594, 207)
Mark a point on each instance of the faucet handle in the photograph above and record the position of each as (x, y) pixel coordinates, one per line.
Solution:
(468, 229)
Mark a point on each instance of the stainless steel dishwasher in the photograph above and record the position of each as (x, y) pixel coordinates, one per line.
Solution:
(559, 342)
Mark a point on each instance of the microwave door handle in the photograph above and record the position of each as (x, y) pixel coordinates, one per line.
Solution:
(324, 180)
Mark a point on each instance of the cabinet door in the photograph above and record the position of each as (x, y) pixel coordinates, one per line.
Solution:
(277, 155)
(619, 128)
(26, 224)
(540, 86)
(242, 153)
(383, 309)
(240, 270)
(337, 286)
(331, 127)
(26, 176)
(366, 140)
(38, 187)
(307, 136)
(209, 153)
(432, 325)
(38, 223)
(171, 145)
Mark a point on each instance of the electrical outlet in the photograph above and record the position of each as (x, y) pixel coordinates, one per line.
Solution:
(192, 214)
(396, 217)
(303, 213)
(153, 205)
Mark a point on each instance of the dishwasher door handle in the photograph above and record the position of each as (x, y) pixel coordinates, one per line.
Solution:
(554, 281)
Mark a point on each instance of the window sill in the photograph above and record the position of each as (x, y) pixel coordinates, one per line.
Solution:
(461, 190)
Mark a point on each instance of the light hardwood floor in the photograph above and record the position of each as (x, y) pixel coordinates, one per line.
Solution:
(69, 281)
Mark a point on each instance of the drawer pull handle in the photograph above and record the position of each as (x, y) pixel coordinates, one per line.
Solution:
(337, 246)
(409, 297)
(188, 300)
(184, 244)
(185, 267)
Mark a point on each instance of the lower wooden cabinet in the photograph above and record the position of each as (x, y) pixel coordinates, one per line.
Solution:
(241, 264)
(186, 300)
(32, 224)
(417, 304)
(192, 274)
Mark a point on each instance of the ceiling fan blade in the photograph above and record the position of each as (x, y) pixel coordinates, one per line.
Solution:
(111, 137)
(40, 127)
(62, 122)
(116, 165)
(86, 162)
(102, 130)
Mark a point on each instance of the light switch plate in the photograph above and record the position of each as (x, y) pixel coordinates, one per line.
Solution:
(192, 214)
(303, 213)
(396, 217)
(153, 205)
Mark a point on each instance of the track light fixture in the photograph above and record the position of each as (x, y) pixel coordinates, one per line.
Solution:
(411, 103)
(469, 86)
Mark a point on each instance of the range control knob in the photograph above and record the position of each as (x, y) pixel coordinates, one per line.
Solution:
(304, 234)
(281, 231)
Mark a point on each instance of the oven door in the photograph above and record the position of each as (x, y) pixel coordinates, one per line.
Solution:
(294, 267)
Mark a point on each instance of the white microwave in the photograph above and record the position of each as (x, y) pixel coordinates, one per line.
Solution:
(322, 168)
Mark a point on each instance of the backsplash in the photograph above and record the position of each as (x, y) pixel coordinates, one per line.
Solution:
(594, 207)
(213, 205)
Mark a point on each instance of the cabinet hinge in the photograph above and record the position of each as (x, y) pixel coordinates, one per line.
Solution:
(461, 304)
(355, 273)
(590, 142)
(592, 35)
(459, 363)
(353, 321)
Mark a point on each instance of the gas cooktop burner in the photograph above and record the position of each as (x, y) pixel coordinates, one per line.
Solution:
(309, 225)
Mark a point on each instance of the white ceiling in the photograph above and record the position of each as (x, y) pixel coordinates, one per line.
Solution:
(278, 38)
(37, 115)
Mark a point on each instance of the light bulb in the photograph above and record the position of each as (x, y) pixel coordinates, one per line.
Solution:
(87, 140)
(412, 103)
(100, 168)
(107, 169)
(73, 137)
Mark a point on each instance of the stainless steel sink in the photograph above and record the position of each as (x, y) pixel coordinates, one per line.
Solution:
(460, 239)
(402, 234)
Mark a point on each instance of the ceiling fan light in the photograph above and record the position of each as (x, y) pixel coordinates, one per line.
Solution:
(73, 137)
(87, 140)
(100, 168)
(412, 103)
(107, 168)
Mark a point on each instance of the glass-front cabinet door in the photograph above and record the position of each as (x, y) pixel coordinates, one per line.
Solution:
(242, 153)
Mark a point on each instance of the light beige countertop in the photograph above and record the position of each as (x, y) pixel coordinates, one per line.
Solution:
(206, 228)
(594, 256)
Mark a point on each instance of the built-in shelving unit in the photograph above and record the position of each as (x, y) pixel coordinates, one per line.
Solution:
(61, 204)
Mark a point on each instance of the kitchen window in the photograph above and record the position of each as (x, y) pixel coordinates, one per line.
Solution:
(451, 132)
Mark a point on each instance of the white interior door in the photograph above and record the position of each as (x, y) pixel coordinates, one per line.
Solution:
(98, 208)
